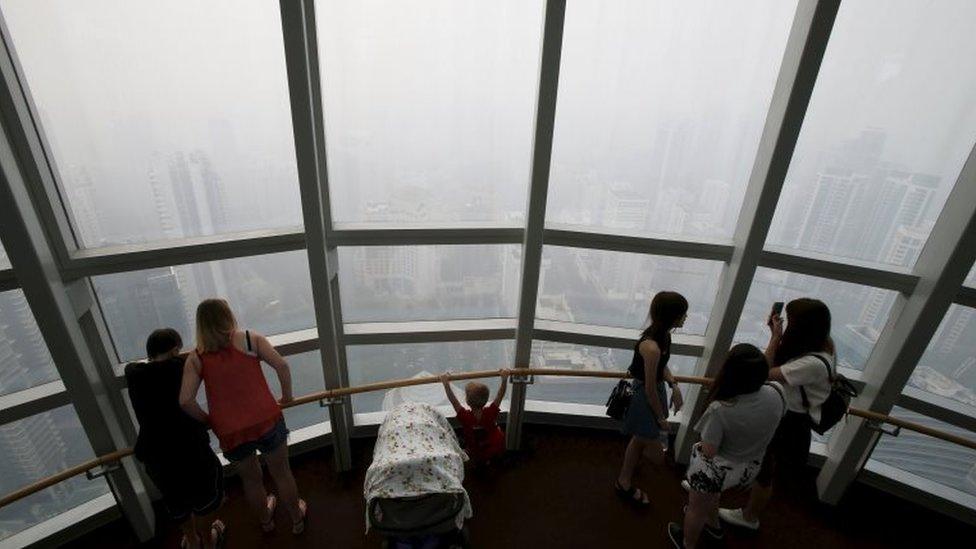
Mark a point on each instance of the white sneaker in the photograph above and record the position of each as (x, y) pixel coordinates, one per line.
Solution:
(734, 516)
(686, 486)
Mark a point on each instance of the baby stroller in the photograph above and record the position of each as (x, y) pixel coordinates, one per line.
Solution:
(413, 490)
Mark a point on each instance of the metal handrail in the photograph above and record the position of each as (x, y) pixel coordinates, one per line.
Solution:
(117, 455)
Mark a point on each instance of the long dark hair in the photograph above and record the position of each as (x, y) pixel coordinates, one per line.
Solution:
(807, 330)
(667, 308)
(745, 370)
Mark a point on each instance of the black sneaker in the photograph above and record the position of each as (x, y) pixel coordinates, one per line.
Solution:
(711, 531)
(676, 535)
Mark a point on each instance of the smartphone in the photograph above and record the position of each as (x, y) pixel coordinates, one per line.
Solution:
(777, 308)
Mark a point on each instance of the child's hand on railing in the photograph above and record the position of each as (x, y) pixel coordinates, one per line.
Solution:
(445, 377)
(504, 373)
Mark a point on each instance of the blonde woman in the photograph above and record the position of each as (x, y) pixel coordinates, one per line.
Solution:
(242, 411)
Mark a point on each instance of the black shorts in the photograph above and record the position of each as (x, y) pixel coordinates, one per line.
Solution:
(790, 447)
(191, 482)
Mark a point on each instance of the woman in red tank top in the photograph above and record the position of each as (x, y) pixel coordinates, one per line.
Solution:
(243, 412)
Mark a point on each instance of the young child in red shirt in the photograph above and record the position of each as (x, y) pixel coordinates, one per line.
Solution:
(483, 438)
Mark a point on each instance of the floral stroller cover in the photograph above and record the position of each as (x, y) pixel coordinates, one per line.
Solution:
(416, 454)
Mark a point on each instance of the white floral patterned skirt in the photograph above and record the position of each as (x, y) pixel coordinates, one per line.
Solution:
(715, 475)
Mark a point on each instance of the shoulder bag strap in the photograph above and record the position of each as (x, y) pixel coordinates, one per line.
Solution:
(779, 392)
(247, 340)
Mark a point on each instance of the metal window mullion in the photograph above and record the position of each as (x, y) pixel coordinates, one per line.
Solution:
(941, 268)
(8, 280)
(423, 236)
(137, 257)
(966, 297)
(552, 39)
(592, 240)
(81, 368)
(876, 277)
(938, 407)
(32, 401)
(301, 59)
(798, 71)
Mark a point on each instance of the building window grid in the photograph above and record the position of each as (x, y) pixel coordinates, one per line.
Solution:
(903, 246)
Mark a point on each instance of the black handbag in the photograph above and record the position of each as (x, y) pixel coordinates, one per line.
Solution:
(619, 400)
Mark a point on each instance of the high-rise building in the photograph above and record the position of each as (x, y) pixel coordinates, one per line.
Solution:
(198, 193)
(137, 303)
(830, 208)
(625, 209)
(902, 250)
(33, 449)
(894, 199)
(84, 204)
(28, 362)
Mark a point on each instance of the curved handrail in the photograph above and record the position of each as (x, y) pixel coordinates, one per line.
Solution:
(117, 455)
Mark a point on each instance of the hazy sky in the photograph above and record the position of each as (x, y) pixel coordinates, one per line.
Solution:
(432, 103)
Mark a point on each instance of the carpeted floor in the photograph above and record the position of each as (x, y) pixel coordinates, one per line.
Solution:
(558, 493)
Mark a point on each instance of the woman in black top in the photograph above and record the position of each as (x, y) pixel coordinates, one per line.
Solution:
(174, 447)
(647, 417)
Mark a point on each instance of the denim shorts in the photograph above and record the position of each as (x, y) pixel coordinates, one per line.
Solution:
(265, 444)
(640, 419)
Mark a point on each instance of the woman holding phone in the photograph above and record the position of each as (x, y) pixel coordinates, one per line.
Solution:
(802, 359)
(647, 417)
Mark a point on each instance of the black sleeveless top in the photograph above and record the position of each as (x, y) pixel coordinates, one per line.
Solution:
(636, 369)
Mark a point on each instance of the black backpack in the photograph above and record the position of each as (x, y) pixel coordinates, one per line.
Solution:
(837, 403)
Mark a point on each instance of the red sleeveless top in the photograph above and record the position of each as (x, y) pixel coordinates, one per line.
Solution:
(240, 403)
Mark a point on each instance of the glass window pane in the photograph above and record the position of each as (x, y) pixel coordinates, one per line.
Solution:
(948, 367)
(4, 261)
(271, 294)
(373, 363)
(37, 447)
(24, 358)
(306, 378)
(616, 288)
(661, 106)
(165, 120)
(858, 313)
(971, 278)
(430, 108)
(577, 390)
(930, 458)
(401, 283)
(881, 146)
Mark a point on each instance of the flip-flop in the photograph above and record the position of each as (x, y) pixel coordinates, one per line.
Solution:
(271, 504)
(628, 495)
(299, 527)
